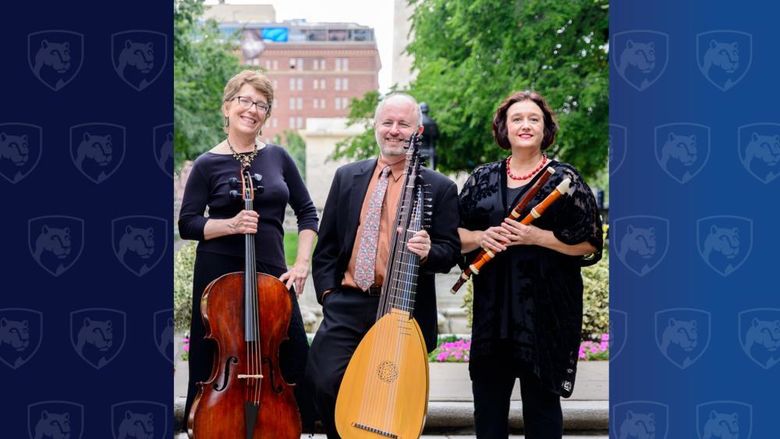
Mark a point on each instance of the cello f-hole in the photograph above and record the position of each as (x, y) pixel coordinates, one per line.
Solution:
(224, 384)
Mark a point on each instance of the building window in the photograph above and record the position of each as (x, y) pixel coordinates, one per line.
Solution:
(337, 85)
(276, 64)
(300, 122)
(337, 103)
(299, 101)
(316, 84)
(297, 64)
(345, 83)
(316, 103)
(342, 64)
(300, 83)
(292, 103)
(292, 84)
(322, 84)
(273, 122)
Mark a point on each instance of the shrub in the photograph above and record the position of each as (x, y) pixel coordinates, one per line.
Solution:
(595, 319)
(183, 264)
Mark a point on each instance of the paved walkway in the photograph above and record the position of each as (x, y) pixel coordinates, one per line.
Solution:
(451, 409)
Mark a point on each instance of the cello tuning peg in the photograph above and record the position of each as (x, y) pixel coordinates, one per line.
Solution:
(233, 182)
(257, 178)
(234, 195)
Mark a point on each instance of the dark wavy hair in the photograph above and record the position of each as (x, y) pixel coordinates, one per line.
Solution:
(499, 119)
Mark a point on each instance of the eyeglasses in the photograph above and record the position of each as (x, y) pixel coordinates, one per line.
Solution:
(247, 103)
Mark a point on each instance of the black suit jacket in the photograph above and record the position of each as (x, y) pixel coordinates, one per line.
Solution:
(339, 225)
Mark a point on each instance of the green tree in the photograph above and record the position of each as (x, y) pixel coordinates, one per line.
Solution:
(203, 63)
(296, 147)
(363, 145)
(470, 54)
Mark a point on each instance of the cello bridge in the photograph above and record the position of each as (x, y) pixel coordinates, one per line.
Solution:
(242, 376)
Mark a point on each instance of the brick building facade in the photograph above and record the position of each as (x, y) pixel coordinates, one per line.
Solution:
(316, 68)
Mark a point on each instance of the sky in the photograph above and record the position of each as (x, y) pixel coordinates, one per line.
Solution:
(377, 14)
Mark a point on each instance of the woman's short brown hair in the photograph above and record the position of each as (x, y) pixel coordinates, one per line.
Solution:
(499, 119)
(256, 79)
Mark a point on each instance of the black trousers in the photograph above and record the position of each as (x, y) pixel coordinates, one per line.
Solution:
(492, 380)
(292, 353)
(348, 314)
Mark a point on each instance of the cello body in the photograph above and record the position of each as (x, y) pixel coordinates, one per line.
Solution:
(218, 411)
(381, 396)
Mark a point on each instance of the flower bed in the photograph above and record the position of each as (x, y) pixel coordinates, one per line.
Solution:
(453, 349)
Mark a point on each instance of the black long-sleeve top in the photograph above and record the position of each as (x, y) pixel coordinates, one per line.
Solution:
(209, 186)
(528, 299)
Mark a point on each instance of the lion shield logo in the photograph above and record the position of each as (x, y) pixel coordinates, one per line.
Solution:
(682, 149)
(618, 332)
(55, 419)
(97, 149)
(55, 56)
(97, 334)
(642, 242)
(759, 150)
(139, 419)
(139, 242)
(618, 143)
(724, 56)
(55, 242)
(139, 56)
(162, 326)
(682, 334)
(724, 420)
(640, 57)
(759, 335)
(21, 333)
(724, 242)
(163, 148)
(20, 150)
(640, 419)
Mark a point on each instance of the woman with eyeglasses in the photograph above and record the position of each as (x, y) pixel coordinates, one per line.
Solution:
(247, 103)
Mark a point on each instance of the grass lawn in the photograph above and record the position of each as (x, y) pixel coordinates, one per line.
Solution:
(290, 247)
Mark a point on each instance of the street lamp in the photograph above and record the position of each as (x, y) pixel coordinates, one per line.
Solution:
(429, 136)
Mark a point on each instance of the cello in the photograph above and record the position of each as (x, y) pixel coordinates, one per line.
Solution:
(384, 392)
(247, 314)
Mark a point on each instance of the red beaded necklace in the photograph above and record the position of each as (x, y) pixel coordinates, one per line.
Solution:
(528, 175)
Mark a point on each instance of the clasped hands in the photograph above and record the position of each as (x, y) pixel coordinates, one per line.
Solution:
(509, 233)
